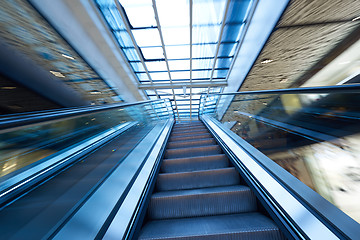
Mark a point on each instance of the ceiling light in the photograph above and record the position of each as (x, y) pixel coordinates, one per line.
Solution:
(57, 74)
(343, 63)
(69, 57)
(357, 18)
(284, 80)
(8, 88)
(264, 61)
(95, 92)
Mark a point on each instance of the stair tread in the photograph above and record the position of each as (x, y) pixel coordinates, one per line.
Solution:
(196, 148)
(200, 191)
(214, 161)
(192, 151)
(220, 155)
(198, 179)
(194, 136)
(192, 142)
(231, 226)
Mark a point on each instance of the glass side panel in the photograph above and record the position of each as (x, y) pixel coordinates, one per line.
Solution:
(315, 137)
(26, 147)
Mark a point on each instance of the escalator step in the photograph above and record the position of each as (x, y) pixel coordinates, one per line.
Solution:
(191, 143)
(201, 202)
(189, 128)
(247, 226)
(190, 137)
(197, 179)
(189, 133)
(194, 163)
(192, 151)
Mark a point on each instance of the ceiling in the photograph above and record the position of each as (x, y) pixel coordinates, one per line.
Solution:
(105, 51)
(176, 49)
(26, 31)
(309, 35)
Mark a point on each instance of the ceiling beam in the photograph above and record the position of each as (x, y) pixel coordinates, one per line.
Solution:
(203, 84)
(191, 43)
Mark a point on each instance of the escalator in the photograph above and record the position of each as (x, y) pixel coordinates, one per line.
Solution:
(200, 195)
(146, 177)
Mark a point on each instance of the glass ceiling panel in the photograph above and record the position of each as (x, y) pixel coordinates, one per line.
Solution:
(147, 37)
(174, 18)
(227, 49)
(202, 63)
(131, 54)
(176, 36)
(159, 76)
(205, 50)
(176, 52)
(179, 65)
(136, 8)
(223, 62)
(113, 18)
(180, 75)
(173, 13)
(142, 76)
(152, 53)
(138, 67)
(201, 74)
(124, 39)
(156, 66)
(206, 34)
(213, 14)
(220, 73)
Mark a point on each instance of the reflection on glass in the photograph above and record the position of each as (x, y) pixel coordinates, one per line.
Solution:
(315, 137)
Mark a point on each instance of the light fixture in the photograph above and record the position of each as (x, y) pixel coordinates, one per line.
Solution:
(343, 63)
(354, 19)
(95, 92)
(284, 80)
(57, 74)
(69, 57)
(266, 60)
(8, 88)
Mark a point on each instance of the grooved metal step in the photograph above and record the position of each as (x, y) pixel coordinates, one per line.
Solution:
(191, 143)
(189, 133)
(194, 163)
(191, 137)
(178, 128)
(249, 226)
(197, 179)
(201, 202)
(192, 152)
(199, 196)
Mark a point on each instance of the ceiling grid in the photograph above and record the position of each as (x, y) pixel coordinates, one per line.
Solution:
(178, 49)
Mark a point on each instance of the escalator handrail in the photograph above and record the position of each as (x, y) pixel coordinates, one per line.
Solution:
(21, 120)
(353, 88)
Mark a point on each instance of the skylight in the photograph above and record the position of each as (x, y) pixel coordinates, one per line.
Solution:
(175, 42)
